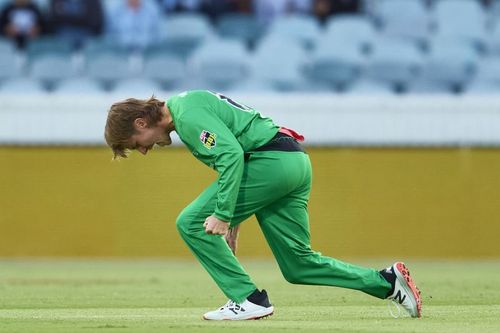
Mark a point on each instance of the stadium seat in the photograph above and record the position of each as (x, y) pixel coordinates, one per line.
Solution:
(335, 63)
(221, 63)
(22, 86)
(394, 61)
(429, 87)
(488, 69)
(163, 49)
(300, 28)
(140, 87)
(253, 86)
(9, 64)
(403, 19)
(369, 87)
(108, 68)
(165, 69)
(477, 87)
(6, 45)
(351, 29)
(51, 68)
(493, 12)
(79, 86)
(279, 63)
(102, 45)
(461, 19)
(487, 79)
(183, 33)
(49, 45)
(450, 62)
(493, 39)
(243, 27)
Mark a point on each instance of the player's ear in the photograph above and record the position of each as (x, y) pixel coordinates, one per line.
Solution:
(140, 123)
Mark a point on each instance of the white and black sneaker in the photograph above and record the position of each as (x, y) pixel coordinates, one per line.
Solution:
(259, 308)
(404, 291)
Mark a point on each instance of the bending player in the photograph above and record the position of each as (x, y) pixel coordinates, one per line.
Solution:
(262, 170)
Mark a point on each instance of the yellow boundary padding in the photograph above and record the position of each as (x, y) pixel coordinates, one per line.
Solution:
(365, 202)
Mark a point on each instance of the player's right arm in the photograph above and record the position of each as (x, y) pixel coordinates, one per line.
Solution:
(231, 238)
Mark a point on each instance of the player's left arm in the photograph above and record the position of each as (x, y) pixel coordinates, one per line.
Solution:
(211, 137)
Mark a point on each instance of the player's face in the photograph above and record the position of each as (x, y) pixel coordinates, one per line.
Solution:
(146, 137)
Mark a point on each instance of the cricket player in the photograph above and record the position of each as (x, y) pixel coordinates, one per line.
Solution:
(262, 170)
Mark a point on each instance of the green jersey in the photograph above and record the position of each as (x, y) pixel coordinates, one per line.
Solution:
(218, 131)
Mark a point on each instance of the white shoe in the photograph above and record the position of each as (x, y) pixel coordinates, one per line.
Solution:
(244, 311)
(405, 292)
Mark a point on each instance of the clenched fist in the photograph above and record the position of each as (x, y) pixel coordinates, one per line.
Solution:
(214, 226)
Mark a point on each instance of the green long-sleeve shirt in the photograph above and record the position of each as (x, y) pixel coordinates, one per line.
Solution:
(218, 131)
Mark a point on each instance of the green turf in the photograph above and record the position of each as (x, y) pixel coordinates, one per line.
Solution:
(170, 296)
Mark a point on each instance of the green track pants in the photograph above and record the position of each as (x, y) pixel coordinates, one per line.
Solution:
(275, 187)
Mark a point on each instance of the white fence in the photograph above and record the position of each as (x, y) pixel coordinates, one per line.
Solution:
(323, 119)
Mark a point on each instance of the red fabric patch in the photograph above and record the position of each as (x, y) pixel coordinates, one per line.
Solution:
(292, 133)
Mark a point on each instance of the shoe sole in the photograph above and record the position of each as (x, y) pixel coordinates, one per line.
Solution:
(261, 317)
(251, 318)
(403, 275)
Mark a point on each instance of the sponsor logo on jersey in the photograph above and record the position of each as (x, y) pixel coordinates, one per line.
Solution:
(208, 139)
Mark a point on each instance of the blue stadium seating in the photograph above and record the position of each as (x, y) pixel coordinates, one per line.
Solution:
(335, 63)
(221, 63)
(400, 46)
(487, 79)
(488, 69)
(450, 62)
(9, 63)
(6, 45)
(250, 86)
(165, 69)
(79, 86)
(108, 68)
(243, 27)
(25, 86)
(493, 39)
(477, 87)
(461, 19)
(163, 49)
(369, 87)
(51, 68)
(49, 45)
(102, 45)
(395, 62)
(301, 28)
(183, 33)
(355, 30)
(279, 63)
(429, 87)
(404, 19)
(141, 87)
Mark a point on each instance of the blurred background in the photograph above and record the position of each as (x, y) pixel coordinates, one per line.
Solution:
(398, 101)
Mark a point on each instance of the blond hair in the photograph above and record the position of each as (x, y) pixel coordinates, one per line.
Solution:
(120, 122)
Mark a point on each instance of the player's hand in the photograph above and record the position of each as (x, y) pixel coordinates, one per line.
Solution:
(214, 226)
(231, 238)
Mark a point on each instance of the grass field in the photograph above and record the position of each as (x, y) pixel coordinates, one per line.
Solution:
(170, 296)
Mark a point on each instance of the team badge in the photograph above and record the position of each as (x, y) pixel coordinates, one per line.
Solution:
(208, 139)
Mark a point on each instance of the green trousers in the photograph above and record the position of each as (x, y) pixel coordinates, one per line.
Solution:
(275, 187)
